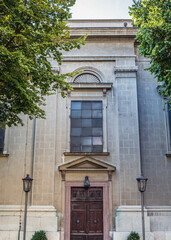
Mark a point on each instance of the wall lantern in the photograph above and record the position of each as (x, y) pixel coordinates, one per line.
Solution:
(142, 182)
(86, 182)
(27, 184)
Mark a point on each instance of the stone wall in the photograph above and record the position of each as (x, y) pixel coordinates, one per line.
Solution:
(130, 103)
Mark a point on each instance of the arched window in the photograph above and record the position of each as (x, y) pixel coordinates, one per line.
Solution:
(87, 78)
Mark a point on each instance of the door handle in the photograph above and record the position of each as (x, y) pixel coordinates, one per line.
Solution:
(95, 221)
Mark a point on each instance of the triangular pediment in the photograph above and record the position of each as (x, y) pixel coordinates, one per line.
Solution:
(86, 163)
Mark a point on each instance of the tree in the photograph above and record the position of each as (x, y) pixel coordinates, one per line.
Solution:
(153, 20)
(31, 31)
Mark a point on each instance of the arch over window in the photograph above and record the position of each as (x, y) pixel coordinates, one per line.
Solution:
(89, 75)
(86, 78)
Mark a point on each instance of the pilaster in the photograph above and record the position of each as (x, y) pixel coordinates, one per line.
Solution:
(128, 131)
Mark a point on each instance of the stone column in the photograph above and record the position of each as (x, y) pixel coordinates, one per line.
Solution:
(128, 132)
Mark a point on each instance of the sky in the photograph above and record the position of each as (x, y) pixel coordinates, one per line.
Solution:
(101, 9)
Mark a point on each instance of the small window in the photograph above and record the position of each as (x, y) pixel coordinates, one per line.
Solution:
(169, 121)
(86, 126)
(2, 135)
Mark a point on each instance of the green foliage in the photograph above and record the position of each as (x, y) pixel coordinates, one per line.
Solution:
(133, 236)
(153, 20)
(31, 31)
(40, 235)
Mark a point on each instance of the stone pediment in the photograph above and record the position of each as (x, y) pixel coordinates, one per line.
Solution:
(86, 164)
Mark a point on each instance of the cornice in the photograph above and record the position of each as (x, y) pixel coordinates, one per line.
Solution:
(128, 32)
(91, 86)
(126, 69)
(95, 58)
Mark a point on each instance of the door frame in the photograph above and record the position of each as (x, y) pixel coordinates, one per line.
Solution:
(67, 217)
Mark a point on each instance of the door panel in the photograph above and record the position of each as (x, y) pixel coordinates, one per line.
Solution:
(95, 218)
(78, 194)
(78, 222)
(95, 238)
(78, 238)
(95, 194)
(87, 213)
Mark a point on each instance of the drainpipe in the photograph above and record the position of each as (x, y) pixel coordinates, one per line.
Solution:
(19, 230)
(33, 150)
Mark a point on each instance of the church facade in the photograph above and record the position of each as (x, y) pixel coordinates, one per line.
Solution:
(85, 157)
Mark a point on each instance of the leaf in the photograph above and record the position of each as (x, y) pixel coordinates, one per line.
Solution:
(30, 31)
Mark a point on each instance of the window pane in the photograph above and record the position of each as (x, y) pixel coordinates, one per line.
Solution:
(75, 141)
(97, 148)
(86, 122)
(76, 105)
(86, 140)
(76, 123)
(97, 131)
(97, 140)
(86, 105)
(86, 132)
(86, 149)
(97, 113)
(2, 134)
(97, 122)
(97, 105)
(76, 132)
(75, 148)
(86, 126)
(76, 114)
(86, 113)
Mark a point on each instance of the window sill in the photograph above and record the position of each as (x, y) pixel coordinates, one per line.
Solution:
(168, 154)
(4, 155)
(86, 154)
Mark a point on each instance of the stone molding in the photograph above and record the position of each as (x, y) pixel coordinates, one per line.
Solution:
(32, 210)
(99, 22)
(98, 92)
(102, 28)
(137, 208)
(95, 58)
(38, 217)
(90, 70)
(86, 164)
(87, 154)
(91, 85)
(127, 72)
(126, 69)
(133, 208)
(103, 86)
(168, 154)
(4, 155)
(158, 208)
(128, 218)
(128, 32)
(106, 215)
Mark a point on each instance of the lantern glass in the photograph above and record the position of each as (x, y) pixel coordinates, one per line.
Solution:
(27, 183)
(86, 182)
(142, 182)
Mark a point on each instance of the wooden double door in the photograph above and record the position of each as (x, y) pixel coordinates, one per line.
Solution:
(86, 213)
